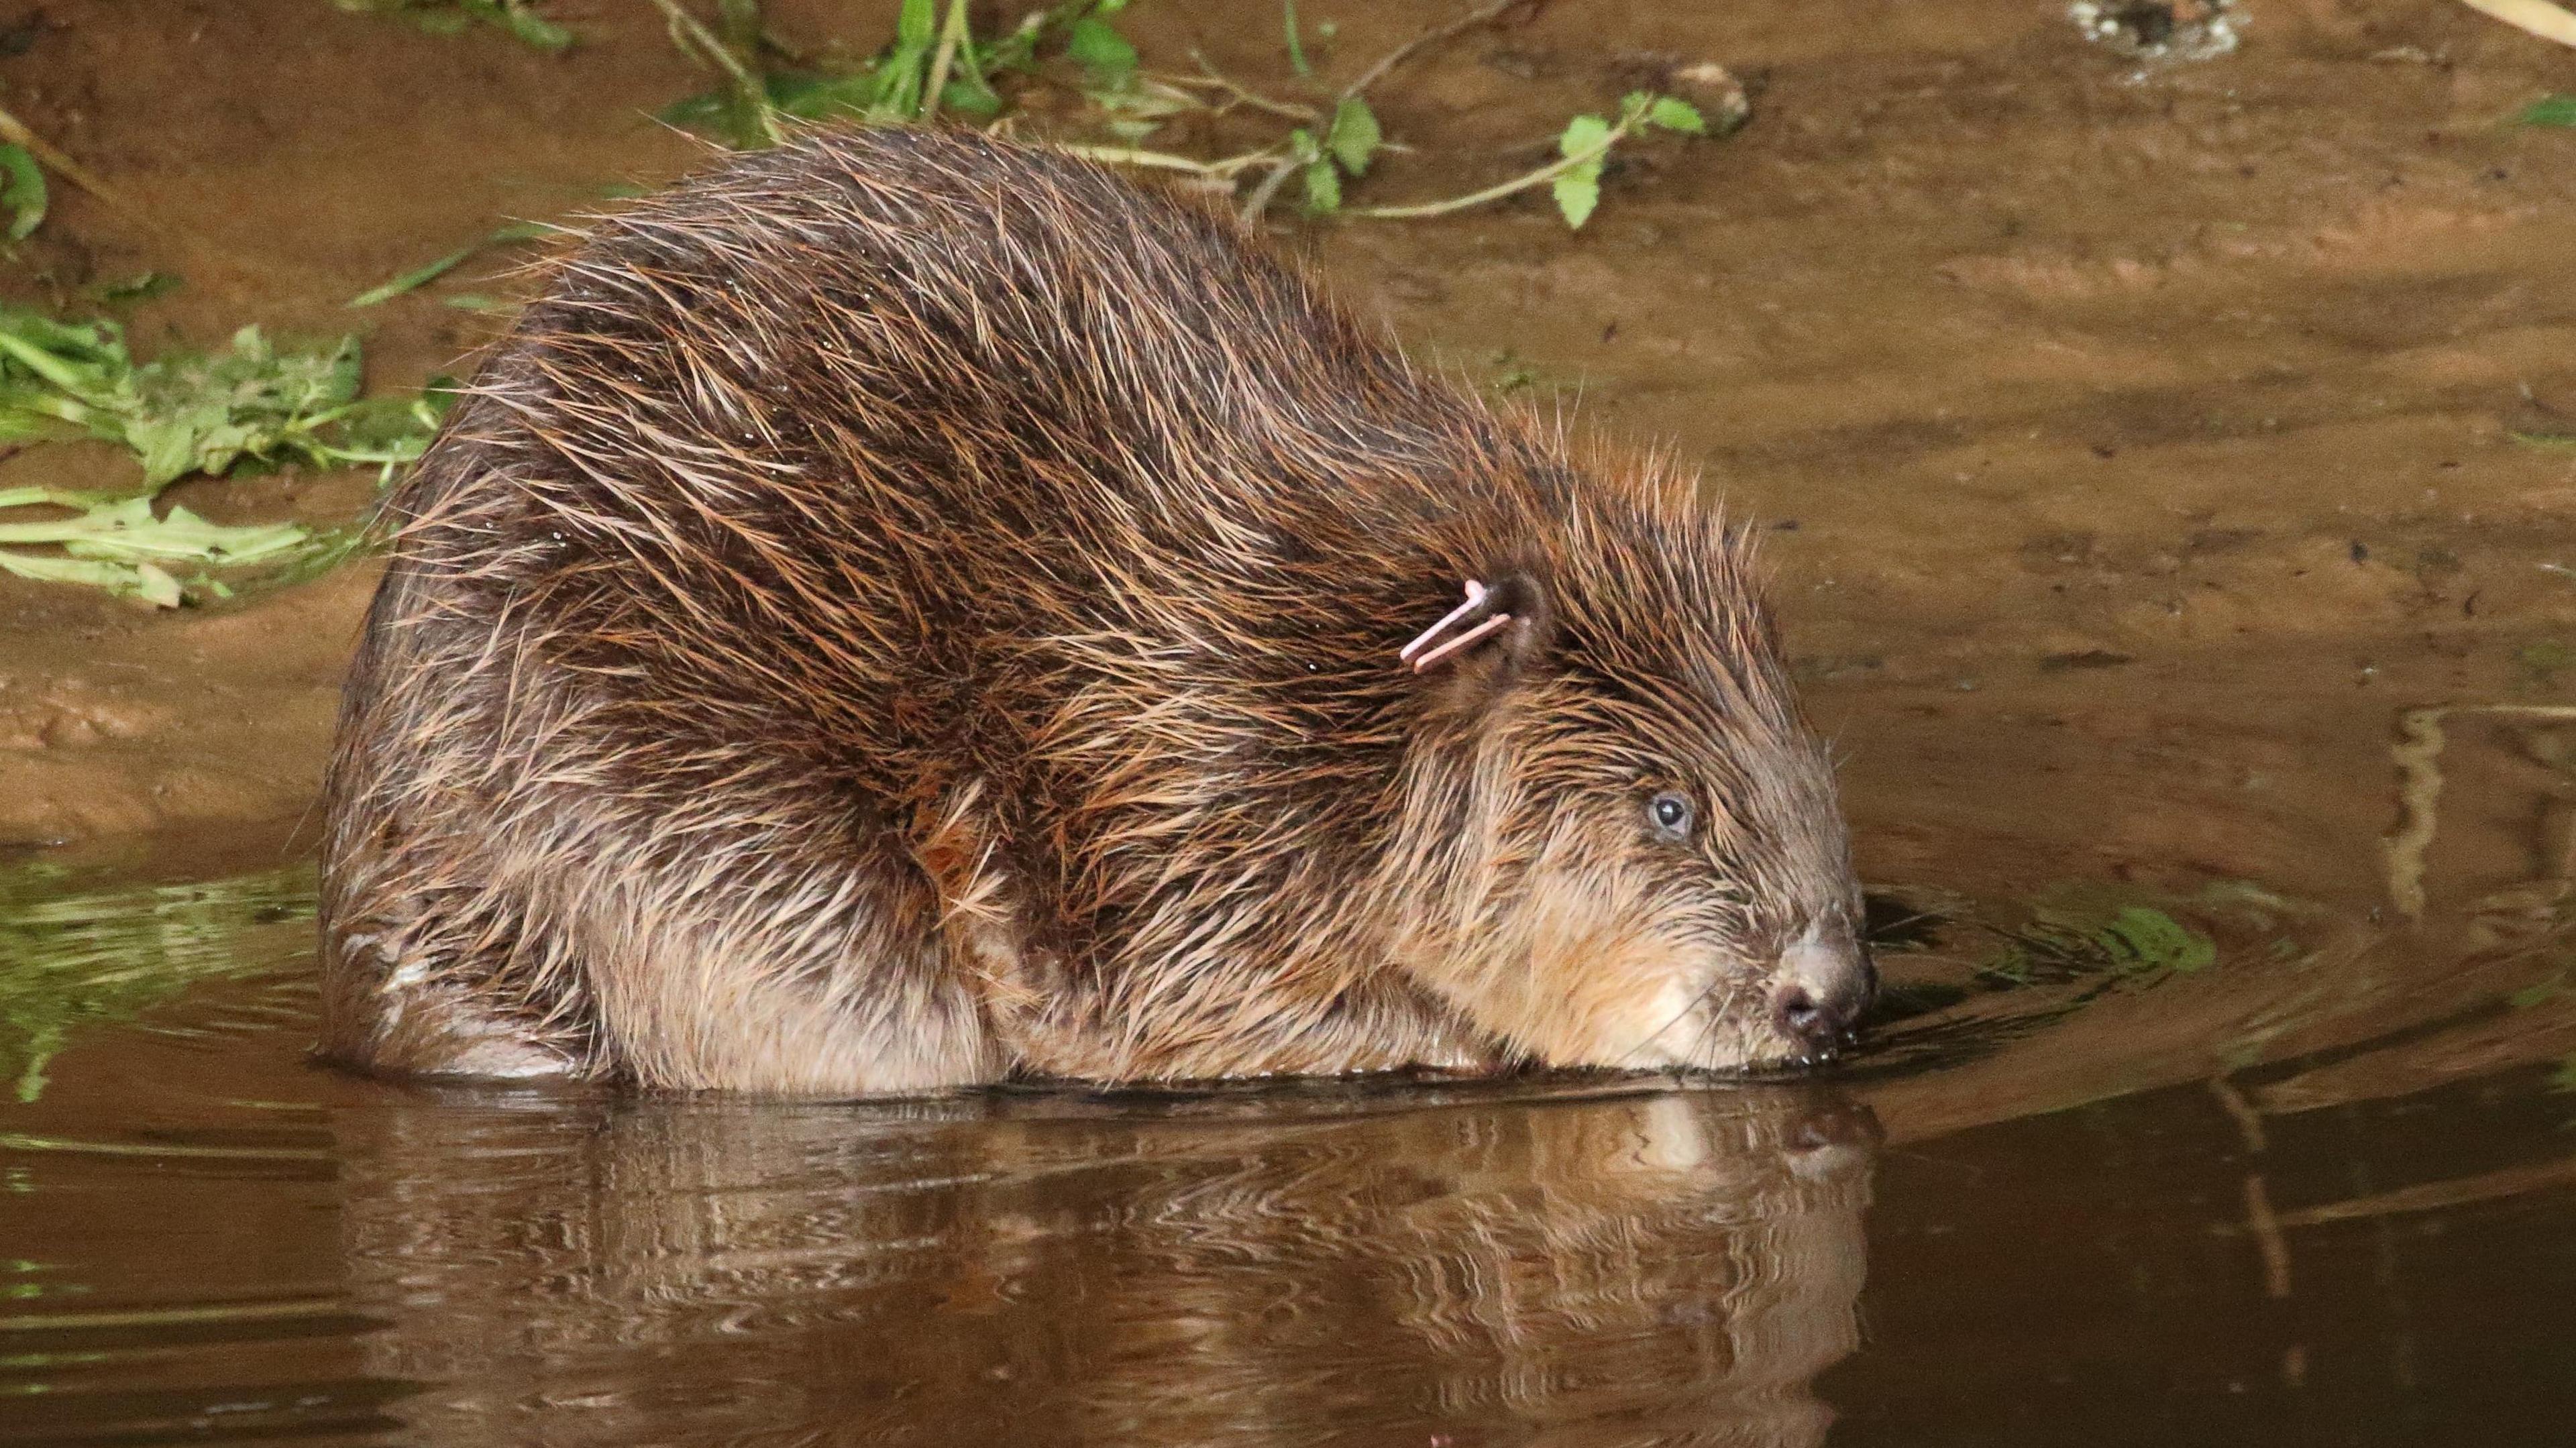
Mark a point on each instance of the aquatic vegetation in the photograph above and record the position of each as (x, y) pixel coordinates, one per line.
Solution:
(2076, 938)
(182, 414)
(73, 957)
(521, 18)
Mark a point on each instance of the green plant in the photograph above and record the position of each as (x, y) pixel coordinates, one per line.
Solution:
(449, 17)
(1582, 150)
(934, 62)
(180, 414)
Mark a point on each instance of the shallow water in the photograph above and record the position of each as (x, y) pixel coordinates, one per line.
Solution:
(2027, 1214)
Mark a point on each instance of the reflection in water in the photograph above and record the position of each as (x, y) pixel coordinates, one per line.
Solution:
(1415, 1266)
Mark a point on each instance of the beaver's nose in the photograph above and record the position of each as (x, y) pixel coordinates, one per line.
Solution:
(1821, 991)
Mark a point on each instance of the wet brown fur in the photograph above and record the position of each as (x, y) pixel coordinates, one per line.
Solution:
(906, 610)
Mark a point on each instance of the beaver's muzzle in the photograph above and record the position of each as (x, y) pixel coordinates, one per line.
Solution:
(1820, 990)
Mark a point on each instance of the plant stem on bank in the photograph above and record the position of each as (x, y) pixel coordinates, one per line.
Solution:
(1587, 155)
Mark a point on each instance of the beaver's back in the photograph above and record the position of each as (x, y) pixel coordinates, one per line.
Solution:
(896, 390)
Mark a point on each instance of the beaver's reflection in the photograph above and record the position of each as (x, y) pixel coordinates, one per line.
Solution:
(1396, 1267)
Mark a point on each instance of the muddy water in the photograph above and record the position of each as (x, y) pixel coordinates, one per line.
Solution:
(2136, 446)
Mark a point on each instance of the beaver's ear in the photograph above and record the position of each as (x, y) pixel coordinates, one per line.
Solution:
(1523, 643)
(1502, 631)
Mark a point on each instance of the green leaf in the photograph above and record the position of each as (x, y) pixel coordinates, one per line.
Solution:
(143, 580)
(1676, 115)
(417, 277)
(22, 192)
(1583, 133)
(2550, 111)
(1578, 189)
(1098, 48)
(1577, 193)
(1323, 187)
(1354, 137)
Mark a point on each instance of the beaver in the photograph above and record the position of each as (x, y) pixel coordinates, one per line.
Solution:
(906, 610)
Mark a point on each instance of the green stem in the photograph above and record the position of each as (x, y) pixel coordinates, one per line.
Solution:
(1539, 177)
(952, 34)
(44, 364)
(57, 497)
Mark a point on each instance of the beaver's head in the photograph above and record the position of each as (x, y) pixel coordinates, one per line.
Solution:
(1645, 862)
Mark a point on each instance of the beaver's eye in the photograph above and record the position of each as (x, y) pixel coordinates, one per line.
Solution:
(1671, 815)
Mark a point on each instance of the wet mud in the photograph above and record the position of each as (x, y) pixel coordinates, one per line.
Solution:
(2137, 445)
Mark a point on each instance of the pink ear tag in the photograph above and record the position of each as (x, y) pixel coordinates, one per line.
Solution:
(1413, 653)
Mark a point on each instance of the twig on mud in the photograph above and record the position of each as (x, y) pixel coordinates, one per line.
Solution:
(1460, 26)
(1209, 75)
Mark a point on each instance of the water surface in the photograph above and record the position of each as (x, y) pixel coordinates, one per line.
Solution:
(2000, 1224)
